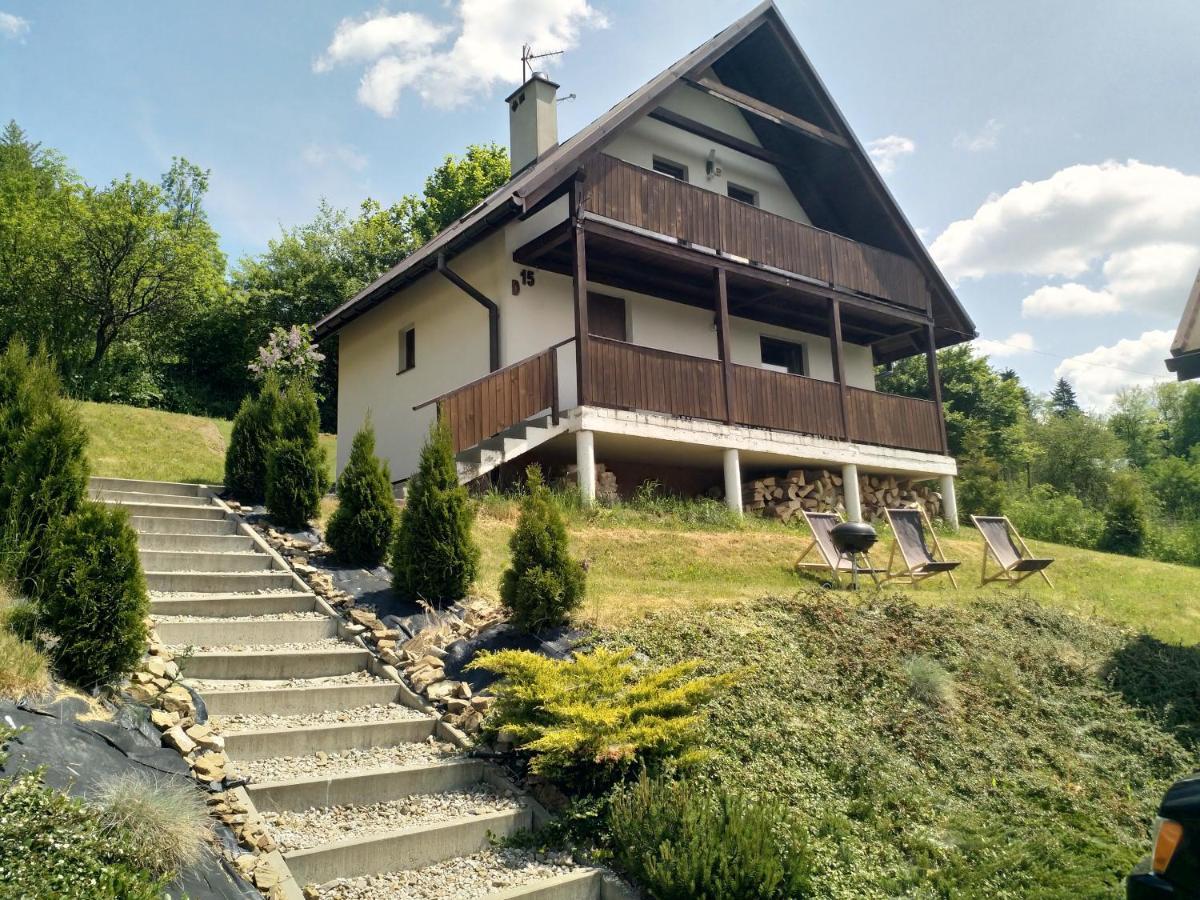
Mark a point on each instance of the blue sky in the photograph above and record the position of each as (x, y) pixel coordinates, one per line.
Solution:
(1049, 153)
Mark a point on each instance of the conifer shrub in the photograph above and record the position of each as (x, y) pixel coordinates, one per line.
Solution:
(361, 529)
(29, 386)
(93, 596)
(543, 584)
(682, 840)
(255, 429)
(1125, 518)
(296, 474)
(435, 557)
(598, 718)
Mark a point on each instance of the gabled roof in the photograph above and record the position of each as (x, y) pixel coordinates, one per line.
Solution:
(1185, 349)
(531, 185)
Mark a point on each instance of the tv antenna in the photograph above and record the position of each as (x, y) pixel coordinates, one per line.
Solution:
(527, 58)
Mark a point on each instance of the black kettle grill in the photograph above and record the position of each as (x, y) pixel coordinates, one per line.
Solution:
(852, 540)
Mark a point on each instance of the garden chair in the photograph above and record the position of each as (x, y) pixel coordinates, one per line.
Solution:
(1016, 563)
(821, 524)
(909, 527)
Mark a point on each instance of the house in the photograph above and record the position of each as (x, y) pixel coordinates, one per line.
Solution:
(695, 288)
(1185, 349)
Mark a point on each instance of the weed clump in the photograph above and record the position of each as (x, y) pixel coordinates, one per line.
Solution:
(165, 818)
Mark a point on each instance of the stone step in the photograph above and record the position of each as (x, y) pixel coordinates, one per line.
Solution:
(233, 664)
(407, 848)
(292, 701)
(245, 630)
(229, 606)
(167, 524)
(136, 486)
(213, 543)
(205, 561)
(370, 786)
(218, 582)
(586, 884)
(125, 498)
(303, 740)
(174, 511)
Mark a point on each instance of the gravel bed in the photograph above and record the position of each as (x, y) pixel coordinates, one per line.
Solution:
(462, 878)
(324, 646)
(259, 684)
(284, 768)
(358, 715)
(326, 825)
(311, 615)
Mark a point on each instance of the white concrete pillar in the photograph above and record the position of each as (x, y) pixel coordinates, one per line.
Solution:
(585, 461)
(850, 492)
(733, 481)
(949, 502)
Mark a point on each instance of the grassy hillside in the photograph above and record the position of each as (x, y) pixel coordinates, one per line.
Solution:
(127, 442)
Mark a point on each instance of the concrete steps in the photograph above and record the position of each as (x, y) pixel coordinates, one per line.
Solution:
(212, 543)
(249, 665)
(304, 740)
(169, 524)
(294, 701)
(135, 486)
(205, 561)
(586, 884)
(245, 631)
(142, 498)
(230, 606)
(369, 786)
(171, 510)
(512, 443)
(218, 582)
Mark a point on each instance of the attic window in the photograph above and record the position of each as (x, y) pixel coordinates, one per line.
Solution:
(741, 194)
(670, 169)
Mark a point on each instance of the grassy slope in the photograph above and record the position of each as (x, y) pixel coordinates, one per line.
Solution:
(127, 442)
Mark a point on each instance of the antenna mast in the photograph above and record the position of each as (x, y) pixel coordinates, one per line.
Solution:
(527, 58)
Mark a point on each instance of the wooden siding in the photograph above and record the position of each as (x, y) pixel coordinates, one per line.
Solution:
(767, 399)
(489, 405)
(626, 376)
(892, 421)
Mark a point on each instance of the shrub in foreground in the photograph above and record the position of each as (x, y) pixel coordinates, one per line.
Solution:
(255, 428)
(596, 719)
(543, 585)
(166, 818)
(687, 841)
(29, 386)
(1125, 518)
(296, 474)
(435, 558)
(94, 596)
(361, 529)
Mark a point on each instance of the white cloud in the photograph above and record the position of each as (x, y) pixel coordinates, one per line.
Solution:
(887, 151)
(447, 65)
(984, 139)
(341, 156)
(1015, 344)
(1100, 374)
(1156, 276)
(1055, 301)
(12, 26)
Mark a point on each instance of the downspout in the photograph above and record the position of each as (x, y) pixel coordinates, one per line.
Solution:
(482, 299)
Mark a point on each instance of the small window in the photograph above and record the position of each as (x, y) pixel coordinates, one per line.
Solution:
(782, 356)
(741, 194)
(408, 350)
(670, 169)
(606, 316)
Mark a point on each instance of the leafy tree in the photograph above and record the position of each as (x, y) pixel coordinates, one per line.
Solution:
(435, 557)
(1076, 455)
(543, 585)
(980, 481)
(1175, 483)
(1180, 407)
(255, 430)
(1125, 518)
(1136, 422)
(1062, 399)
(297, 478)
(361, 529)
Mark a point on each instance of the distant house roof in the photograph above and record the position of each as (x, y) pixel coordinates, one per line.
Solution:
(528, 188)
(1185, 349)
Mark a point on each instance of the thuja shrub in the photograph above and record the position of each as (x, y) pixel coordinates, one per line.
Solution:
(255, 429)
(681, 840)
(361, 529)
(1125, 518)
(543, 584)
(29, 386)
(598, 718)
(435, 557)
(93, 597)
(296, 475)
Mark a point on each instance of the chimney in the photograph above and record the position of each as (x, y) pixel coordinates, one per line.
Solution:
(532, 120)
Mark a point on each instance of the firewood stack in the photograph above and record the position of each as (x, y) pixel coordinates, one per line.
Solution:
(606, 482)
(819, 490)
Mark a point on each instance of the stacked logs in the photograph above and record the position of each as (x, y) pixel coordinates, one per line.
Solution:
(606, 482)
(819, 490)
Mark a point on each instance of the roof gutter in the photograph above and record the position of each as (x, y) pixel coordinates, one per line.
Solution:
(482, 299)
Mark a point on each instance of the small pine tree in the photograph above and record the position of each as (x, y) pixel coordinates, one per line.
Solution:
(361, 529)
(255, 429)
(543, 585)
(1125, 517)
(434, 558)
(29, 386)
(93, 596)
(296, 475)
(1063, 401)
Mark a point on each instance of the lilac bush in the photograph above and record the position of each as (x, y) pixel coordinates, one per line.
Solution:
(289, 354)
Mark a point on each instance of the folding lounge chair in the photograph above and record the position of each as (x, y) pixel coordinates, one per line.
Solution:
(821, 524)
(1015, 564)
(909, 525)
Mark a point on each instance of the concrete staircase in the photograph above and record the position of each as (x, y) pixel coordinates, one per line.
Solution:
(352, 782)
(506, 446)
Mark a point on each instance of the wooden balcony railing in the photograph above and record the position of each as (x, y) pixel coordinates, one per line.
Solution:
(625, 376)
(893, 421)
(767, 399)
(636, 196)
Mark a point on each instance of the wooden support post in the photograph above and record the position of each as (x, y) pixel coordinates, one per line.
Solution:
(554, 401)
(579, 283)
(723, 342)
(839, 362)
(935, 382)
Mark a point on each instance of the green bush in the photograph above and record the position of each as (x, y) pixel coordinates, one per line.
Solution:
(29, 386)
(296, 475)
(690, 841)
(255, 429)
(1046, 515)
(94, 596)
(1125, 518)
(361, 529)
(594, 720)
(435, 558)
(543, 585)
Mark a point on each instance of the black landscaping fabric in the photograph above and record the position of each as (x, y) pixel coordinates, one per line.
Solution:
(76, 752)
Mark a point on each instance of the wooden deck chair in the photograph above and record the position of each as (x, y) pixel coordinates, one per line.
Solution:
(1016, 564)
(909, 527)
(821, 524)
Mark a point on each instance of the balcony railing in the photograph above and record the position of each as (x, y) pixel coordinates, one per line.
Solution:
(657, 203)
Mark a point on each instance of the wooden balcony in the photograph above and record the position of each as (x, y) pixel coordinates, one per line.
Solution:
(644, 199)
